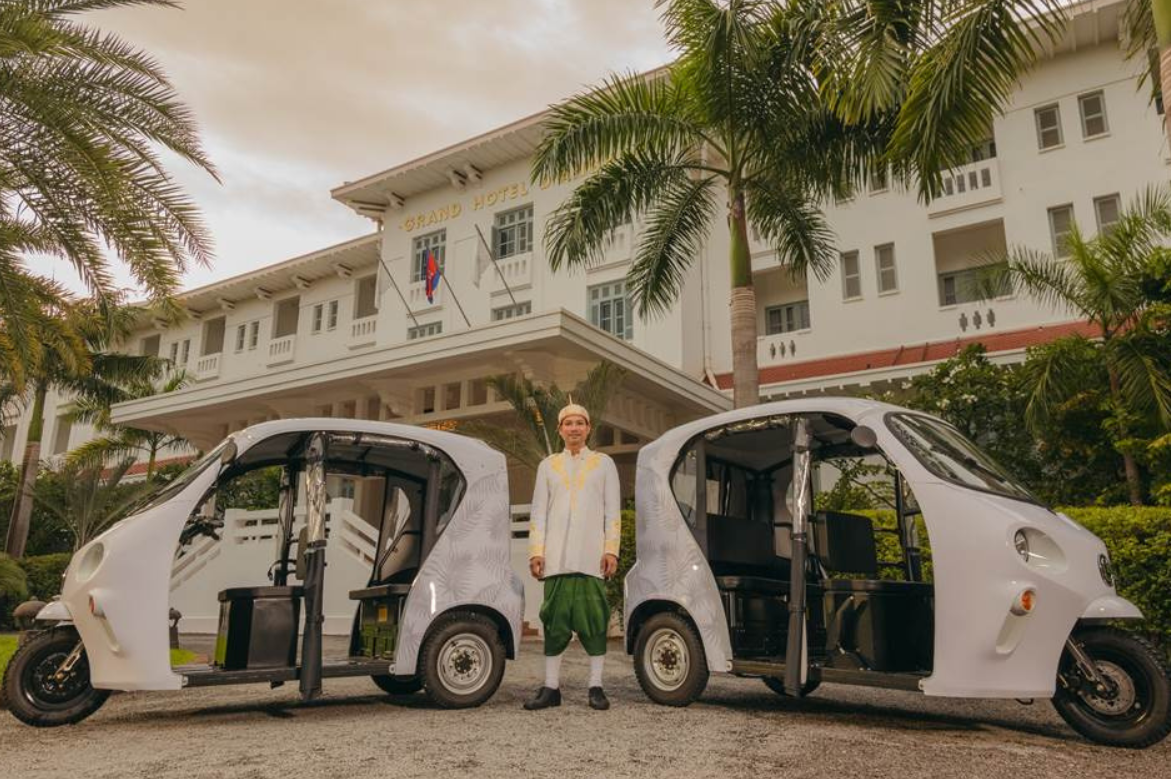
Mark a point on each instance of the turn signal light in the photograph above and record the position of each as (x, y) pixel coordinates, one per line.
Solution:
(95, 608)
(1025, 602)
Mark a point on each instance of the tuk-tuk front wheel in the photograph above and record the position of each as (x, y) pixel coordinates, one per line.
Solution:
(462, 660)
(1133, 707)
(669, 660)
(46, 684)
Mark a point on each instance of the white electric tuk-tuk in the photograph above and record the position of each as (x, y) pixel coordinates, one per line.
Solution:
(745, 567)
(441, 611)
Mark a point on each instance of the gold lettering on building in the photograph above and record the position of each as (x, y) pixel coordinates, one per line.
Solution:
(433, 217)
(500, 195)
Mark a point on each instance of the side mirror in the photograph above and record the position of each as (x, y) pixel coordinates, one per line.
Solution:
(864, 437)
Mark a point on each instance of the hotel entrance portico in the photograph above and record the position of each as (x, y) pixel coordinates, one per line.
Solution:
(440, 380)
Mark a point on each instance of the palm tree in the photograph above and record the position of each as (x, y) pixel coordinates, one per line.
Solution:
(93, 498)
(83, 118)
(1104, 279)
(776, 108)
(102, 378)
(534, 436)
(118, 442)
(1148, 27)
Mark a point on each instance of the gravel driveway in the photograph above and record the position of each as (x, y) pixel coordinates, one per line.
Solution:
(738, 729)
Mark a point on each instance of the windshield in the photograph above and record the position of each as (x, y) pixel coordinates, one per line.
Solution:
(172, 488)
(945, 452)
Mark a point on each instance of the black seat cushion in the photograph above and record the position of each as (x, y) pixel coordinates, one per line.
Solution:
(845, 542)
(380, 591)
(240, 593)
(755, 584)
(878, 586)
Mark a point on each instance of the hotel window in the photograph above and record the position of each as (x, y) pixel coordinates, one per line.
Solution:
(1048, 127)
(788, 318)
(316, 320)
(241, 333)
(610, 309)
(424, 331)
(965, 286)
(512, 232)
(180, 352)
(1107, 210)
(1060, 224)
(884, 258)
(365, 292)
(331, 315)
(213, 337)
(432, 242)
(1093, 110)
(851, 276)
(61, 435)
(149, 347)
(285, 315)
(253, 334)
(512, 312)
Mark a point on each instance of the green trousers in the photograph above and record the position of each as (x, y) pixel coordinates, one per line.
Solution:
(575, 603)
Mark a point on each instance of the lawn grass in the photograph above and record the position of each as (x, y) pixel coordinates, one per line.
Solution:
(8, 646)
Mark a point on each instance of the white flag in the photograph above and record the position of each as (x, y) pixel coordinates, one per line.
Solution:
(483, 260)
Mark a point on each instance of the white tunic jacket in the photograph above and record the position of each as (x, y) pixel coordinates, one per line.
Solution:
(576, 512)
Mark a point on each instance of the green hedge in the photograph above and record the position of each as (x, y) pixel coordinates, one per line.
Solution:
(44, 574)
(1139, 540)
(13, 588)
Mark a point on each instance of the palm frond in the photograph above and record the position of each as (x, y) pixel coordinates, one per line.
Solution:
(792, 224)
(1051, 282)
(1055, 372)
(1143, 364)
(676, 230)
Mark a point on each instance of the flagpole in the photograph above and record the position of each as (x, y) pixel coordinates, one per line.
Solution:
(431, 259)
(394, 284)
(496, 265)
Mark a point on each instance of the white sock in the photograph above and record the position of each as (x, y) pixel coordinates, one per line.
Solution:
(553, 672)
(596, 670)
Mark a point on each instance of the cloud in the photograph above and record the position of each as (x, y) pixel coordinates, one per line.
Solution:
(295, 97)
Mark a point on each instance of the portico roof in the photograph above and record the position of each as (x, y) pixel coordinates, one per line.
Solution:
(554, 346)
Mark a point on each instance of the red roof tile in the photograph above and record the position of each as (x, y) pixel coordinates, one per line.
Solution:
(1010, 340)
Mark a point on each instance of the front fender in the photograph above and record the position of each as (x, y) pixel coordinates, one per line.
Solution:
(55, 611)
(1111, 607)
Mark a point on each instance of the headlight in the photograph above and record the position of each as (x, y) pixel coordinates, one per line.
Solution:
(1021, 542)
(1106, 570)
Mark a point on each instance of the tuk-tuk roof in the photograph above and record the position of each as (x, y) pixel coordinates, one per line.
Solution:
(661, 452)
(470, 455)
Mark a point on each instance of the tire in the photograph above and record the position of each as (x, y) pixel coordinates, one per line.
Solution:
(462, 660)
(777, 685)
(34, 697)
(392, 685)
(1140, 714)
(669, 660)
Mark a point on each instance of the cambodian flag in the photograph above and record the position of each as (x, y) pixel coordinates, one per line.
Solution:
(432, 277)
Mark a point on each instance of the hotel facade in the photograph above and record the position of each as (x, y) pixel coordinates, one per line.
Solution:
(327, 334)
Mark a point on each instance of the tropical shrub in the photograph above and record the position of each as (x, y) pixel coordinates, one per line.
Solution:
(13, 589)
(44, 574)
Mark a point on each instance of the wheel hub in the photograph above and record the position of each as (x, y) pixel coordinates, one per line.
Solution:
(668, 659)
(464, 664)
(52, 685)
(1120, 699)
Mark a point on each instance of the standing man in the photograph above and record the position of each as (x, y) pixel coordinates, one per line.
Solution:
(574, 531)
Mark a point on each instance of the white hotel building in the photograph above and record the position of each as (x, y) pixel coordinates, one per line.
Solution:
(320, 335)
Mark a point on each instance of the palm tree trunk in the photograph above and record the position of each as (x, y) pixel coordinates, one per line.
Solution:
(1134, 485)
(1161, 10)
(745, 374)
(22, 506)
(150, 460)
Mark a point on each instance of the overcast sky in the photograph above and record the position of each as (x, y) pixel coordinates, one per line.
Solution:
(295, 97)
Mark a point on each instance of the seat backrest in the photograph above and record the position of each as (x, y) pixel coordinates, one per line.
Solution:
(735, 541)
(845, 542)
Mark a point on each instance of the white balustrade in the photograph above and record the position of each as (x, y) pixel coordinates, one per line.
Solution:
(971, 185)
(282, 350)
(362, 331)
(207, 367)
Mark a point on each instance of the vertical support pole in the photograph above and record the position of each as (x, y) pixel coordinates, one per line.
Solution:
(430, 508)
(315, 567)
(908, 538)
(285, 505)
(701, 496)
(795, 657)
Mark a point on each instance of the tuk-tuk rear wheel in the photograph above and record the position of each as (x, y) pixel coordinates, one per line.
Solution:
(1136, 712)
(38, 693)
(462, 660)
(669, 660)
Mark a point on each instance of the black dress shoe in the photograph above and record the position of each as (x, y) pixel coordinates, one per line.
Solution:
(544, 699)
(598, 699)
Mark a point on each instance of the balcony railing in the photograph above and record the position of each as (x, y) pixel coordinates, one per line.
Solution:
(282, 350)
(783, 347)
(516, 270)
(362, 331)
(207, 367)
(972, 185)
